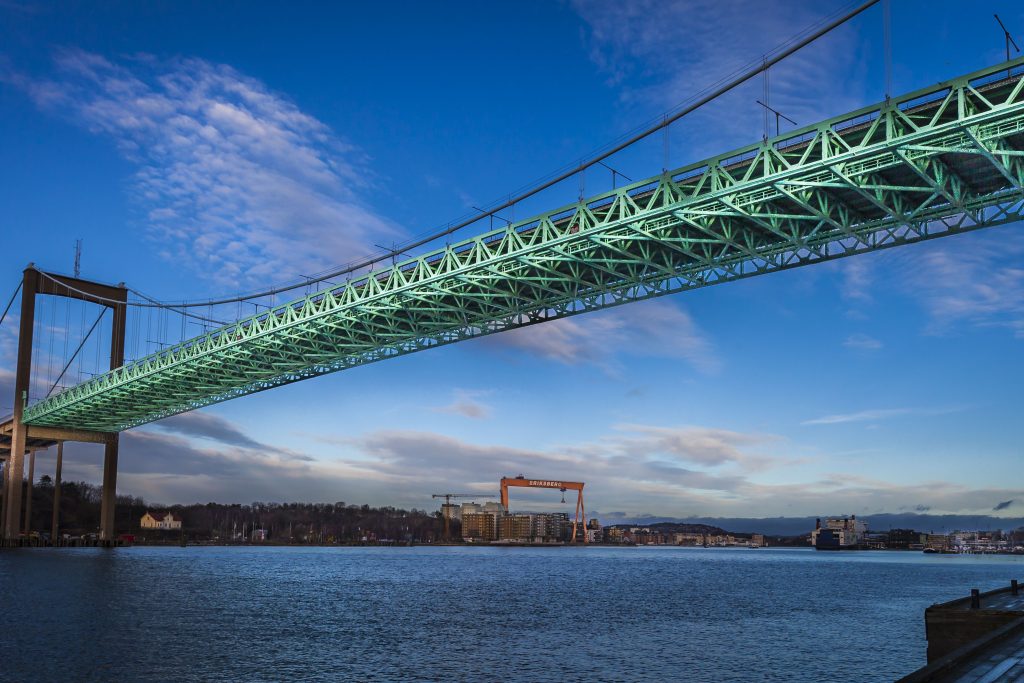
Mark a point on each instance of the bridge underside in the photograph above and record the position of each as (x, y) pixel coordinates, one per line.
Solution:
(40, 438)
(936, 162)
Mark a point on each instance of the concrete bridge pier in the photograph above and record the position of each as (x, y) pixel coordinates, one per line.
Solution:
(12, 496)
(3, 492)
(55, 531)
(109, 502)
(28, 491)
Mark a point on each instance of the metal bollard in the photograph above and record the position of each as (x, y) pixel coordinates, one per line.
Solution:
(975, 599)
(1013, 586)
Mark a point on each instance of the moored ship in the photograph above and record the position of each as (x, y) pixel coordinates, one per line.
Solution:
(839, 533)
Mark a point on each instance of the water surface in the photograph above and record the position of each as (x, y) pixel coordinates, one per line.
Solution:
(473, 614)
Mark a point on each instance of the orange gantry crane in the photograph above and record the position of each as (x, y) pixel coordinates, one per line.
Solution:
(447, 508)
(562, 486)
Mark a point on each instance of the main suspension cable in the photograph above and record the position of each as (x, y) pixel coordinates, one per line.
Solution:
(11, 302)
(153, 303)
(780, 53)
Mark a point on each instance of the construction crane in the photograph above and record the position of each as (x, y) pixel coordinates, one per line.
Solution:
(447, 507)
(562, 486)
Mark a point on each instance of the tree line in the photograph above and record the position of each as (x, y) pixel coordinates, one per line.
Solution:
(219, 522)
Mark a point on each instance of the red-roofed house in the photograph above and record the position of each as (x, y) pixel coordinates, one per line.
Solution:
(160, 520)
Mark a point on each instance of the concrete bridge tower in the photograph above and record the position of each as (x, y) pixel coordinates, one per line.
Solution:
(18, 438)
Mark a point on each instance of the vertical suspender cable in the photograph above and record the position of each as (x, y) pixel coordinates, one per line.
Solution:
(53, 332)
(730, 85)
(67, 329)
(81, 332)
(77, 350)
(887, 39)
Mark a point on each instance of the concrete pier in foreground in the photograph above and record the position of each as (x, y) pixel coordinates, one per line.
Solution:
(976, 638)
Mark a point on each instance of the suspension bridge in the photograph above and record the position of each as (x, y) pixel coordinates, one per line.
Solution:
(939, 161)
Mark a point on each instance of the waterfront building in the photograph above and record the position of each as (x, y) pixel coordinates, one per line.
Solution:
(683, 538)
(479, 526)
(518, 527)
(905, 539)
(552, 526)
(496, 509)
(645, 536)
(978, 542)
(451, 511)
(939, 542)
(160, 520)
(469, 509)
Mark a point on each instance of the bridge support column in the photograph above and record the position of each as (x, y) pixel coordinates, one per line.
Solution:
(109, 502)
(12, 507)
(28, 491)
(55, 532)
(4, 467)
(29, 287)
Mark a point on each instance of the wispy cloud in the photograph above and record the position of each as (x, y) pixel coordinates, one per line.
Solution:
(232, 178)
(860, 416)
(857, 276)
(675, 471)
(878, 414)
(692, 445)
(658, 54)
(221, 432)
(628, 463)
(467, 404)
(652, 328)
(634, 468)
(976, 280)
(199, 457)
(862, 342)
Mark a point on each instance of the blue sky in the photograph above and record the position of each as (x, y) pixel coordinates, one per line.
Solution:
(203, 149)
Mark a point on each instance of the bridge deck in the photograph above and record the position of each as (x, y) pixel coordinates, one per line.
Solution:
(939, 161)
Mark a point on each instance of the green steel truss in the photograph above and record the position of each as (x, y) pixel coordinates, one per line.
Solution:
(939, 161)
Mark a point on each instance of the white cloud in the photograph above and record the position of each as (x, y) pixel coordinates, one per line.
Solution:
(856, 279)
(879, 414)
(862, 342)
(659, 54)
(701, 446)
(976, 280)
(232, 179)
(861, 416)
(467, 404)
(650, 328)
(624, 466)
(637, 469)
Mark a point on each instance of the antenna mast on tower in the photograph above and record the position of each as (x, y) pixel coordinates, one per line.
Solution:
(78, 257)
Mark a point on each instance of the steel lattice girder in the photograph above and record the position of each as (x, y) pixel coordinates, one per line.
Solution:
(936, 162)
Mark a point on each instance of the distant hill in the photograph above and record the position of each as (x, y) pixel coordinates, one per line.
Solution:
(678, 527)
(793, 526)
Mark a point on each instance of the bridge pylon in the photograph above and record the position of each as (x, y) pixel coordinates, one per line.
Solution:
(18, 438)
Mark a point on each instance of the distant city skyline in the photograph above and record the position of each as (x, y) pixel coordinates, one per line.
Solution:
(196, 161)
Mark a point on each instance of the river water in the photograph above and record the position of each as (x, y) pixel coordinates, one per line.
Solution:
(473, 614)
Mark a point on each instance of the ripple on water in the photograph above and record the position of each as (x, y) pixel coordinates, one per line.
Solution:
(464, 614)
